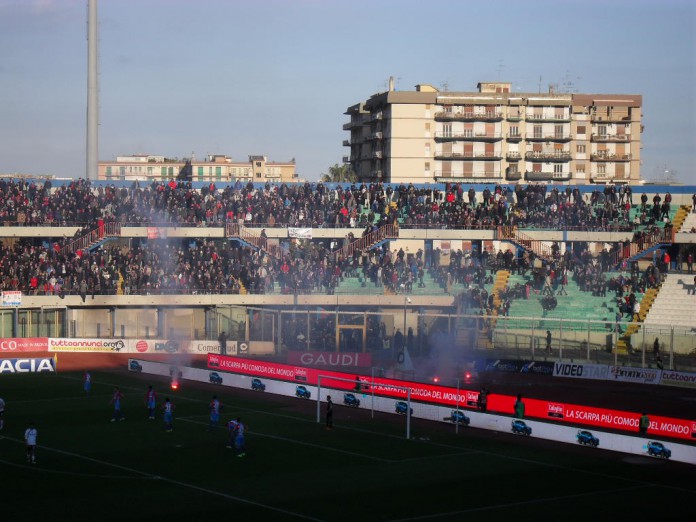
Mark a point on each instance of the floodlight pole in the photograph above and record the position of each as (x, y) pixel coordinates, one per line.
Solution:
(408, 415)
(456, 423)
(319, 399)
(372, 389)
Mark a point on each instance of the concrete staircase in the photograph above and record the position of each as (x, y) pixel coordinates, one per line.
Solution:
(623, 344)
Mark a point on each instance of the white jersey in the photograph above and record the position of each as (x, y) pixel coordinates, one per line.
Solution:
(30, 436)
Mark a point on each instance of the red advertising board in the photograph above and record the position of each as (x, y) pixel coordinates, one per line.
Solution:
(10, 345)
(535, 408)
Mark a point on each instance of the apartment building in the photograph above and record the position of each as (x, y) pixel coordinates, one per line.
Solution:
(495, 135)
(215, 168)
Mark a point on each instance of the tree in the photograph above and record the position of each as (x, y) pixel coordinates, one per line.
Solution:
(186, 172)
(339, 174)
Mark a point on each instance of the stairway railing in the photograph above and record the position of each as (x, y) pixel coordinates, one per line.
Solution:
(252, 238)
(110, 229)
(367, 241)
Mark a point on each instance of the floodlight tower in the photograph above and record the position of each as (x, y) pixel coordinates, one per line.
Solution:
(92, 170)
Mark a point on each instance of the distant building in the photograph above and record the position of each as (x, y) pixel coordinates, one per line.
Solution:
(215, 168)
(495, 135)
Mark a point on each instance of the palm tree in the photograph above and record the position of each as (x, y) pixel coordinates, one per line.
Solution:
(339, 174)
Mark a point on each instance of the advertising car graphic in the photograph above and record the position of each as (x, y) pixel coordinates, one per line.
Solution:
(657, 449)
(257, 385)
(302, 392)
(587, 439)
(401, 408)
(350, 399)
(215, 378)
(520, 427)
(135, 366)
(458, 417)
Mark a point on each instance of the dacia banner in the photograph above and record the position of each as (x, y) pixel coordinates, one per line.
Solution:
(40, 365)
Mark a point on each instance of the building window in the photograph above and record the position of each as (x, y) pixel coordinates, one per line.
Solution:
(602, 130)
(108, 172)
(581, 149)
(601, 168)
(218, 172)
(514, 130)
(258, 163)
(582, 129)
(537, 131)
(558, 169)
(427, 166)
(580, 168)
(446, 130)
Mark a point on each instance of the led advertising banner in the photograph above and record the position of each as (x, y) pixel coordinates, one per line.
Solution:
(534, 408)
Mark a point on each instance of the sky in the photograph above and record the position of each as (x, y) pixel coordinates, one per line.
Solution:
(274, 77)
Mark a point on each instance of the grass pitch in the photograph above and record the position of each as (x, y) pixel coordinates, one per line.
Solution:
(89, 468)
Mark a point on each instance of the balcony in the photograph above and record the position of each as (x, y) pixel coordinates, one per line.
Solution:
(346, 143)
(515, 117)
(376, 174)
(346, 159)
(375, 136)
(547, 156)
(620, 138)
(378, 154)
(467, 136)
(470, 177)
(618, 118)
(550, 137)
(468, 116)
(512, 174)
(609, 157)
(547, 176)
(556, 118)
(514, 137)
(376, 116)
(480, 156)
(513, 156)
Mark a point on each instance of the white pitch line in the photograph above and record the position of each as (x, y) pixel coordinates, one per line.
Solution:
(176, 482)
(301, 443)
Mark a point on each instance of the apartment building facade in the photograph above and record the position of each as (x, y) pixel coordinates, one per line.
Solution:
(495, 136)
(215, 168)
